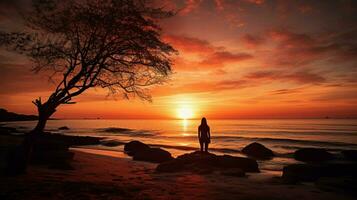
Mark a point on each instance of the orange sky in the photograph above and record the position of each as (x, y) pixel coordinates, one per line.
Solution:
(237, 59)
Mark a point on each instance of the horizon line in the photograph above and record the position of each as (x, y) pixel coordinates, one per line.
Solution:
(244, 118)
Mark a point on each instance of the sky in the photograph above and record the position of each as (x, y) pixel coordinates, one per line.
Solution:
(237, 59)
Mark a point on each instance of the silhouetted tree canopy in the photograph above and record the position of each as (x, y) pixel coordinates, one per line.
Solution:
(113, 44)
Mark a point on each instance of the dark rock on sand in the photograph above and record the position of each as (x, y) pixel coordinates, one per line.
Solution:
(143, 152)
(155, 155)
(350, 154)
(198, 161)
(311, 172)
(135, 146)
(63, 128)
(258, 151)
(48, 149)
(312, 155)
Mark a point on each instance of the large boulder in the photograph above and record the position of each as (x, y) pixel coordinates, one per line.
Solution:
(312, 155)
(142, 152)
(208, 162)
(258, 151)
(135, 146)
(155, 155)
(350, 154)
(311, 172)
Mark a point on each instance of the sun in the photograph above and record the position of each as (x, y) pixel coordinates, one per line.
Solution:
(185, 112)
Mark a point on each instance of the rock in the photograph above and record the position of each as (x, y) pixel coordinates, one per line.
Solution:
(111, 143)
(63, 128)
(246, 164)
(350, 154)
(300, 172)
(312, 155)
(234, 172)
(135, 146)
(311, 172)
(143, 152)
(198, 161)
(258, 151)
(49, 149)
(117, 130)
(155, 155)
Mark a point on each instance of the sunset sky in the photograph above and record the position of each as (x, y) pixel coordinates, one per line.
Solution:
(237, 59)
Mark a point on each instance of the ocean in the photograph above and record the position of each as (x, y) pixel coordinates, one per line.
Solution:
(283, 136)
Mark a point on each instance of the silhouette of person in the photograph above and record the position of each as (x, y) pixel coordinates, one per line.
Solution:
(204, 135)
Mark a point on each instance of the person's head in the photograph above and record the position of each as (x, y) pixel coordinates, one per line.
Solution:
(204, 121)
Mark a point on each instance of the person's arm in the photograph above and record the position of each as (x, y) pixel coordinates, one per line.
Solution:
(199, 133)
(209, 133)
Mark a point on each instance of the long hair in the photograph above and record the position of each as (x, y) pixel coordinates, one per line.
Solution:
(204, 122)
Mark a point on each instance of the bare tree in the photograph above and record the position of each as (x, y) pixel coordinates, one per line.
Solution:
(113, 44)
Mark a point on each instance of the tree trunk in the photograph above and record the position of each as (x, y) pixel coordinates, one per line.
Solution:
(44, 113)
(20, 158)
(41, 124)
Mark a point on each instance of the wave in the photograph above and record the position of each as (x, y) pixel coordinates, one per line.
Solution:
(299, 147)
(286, 140)
(274, 131)
(127, 131)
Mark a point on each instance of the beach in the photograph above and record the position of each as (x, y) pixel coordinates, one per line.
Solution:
(282, 136)
(98, 168)
(104, 175)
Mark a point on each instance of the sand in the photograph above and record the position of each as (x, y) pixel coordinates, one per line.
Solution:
(102, 174)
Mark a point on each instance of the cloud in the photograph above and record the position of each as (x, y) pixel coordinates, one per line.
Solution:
(293, 49)
(234, 10)
(252, 41)
(301, 77)
(289, 39)
(305, 8)
(10, 9)
(204, 86)
(18, 79)
(343, 94)
(190, 44)
(287, 91)
(257, 2)
(253, 79)
(190, 5)
(207, 54)
(220, 58)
